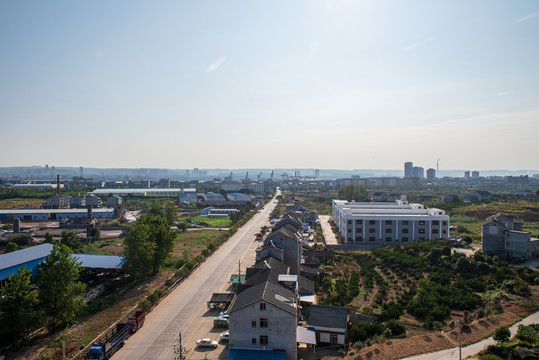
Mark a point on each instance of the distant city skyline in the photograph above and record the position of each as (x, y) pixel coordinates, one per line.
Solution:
(274, 84)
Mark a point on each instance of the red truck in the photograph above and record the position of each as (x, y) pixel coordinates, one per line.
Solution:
(135, 322)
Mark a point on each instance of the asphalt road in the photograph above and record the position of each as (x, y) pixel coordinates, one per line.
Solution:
(184, 309)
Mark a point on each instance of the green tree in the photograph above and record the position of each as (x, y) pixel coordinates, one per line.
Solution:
(351, 192)
(10, 247)
(183, 226)
(139, 250)
(171, 213)
(18, 306)
(59, 289)
(502, 334)
(49, 238)
(162, 236)
(95, 234)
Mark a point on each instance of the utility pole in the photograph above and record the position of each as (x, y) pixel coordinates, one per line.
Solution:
(460, 339)
(179, 350)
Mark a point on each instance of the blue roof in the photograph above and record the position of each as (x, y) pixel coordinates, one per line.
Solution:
(100, 261)
(23, 256)
(255, 354)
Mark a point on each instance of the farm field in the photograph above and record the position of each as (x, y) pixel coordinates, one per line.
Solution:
(419, 292)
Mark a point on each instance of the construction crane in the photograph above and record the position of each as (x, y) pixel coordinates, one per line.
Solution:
(259, 175)
(271, 177)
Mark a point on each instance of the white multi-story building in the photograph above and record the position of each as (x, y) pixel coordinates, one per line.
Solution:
(388, 223)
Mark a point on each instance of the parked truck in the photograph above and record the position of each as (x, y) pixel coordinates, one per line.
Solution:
(111, 343)
(135, 322)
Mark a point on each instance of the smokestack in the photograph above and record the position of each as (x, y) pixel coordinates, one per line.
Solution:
(58, 184)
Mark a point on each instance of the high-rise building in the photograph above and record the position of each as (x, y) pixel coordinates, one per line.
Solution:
(467, 174)
(418, 171)
(475, 174)
(431, 174)
(81, 171)
(408, 166)
(316, 173)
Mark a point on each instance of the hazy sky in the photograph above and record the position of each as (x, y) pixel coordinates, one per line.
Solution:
(323, 84)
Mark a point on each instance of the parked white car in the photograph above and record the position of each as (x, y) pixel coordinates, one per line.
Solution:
(225, 336)
(206, 342)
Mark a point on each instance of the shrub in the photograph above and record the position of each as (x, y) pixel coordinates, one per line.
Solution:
(144, 305)
(490, 357)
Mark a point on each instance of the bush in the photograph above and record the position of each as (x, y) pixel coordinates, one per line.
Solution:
(10, 247)
(144, 305)
(490, 357)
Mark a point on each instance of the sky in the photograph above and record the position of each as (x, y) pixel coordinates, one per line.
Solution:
(264, 84)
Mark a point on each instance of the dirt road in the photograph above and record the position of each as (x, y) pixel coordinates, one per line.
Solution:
(473, 349)
(185, 309)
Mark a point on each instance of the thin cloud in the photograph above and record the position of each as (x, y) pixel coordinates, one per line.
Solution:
(417, 44)
(216, 64)
(525, 18)
(528, 17)
(503, 93)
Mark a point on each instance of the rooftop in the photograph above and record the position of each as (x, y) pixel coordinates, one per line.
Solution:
(25, 255)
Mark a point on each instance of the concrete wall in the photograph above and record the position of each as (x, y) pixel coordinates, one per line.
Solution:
(281, 330)
(492, 238)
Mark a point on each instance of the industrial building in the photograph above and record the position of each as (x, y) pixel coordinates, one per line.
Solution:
(387, 223)
(56, 214)
(138, 192)
(238, 197)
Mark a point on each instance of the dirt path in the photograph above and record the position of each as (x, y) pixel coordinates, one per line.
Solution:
(439, 342)
(329, 236)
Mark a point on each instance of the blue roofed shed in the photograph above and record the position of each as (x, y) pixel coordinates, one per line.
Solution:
(100, 261)
(255, 354)
(31, 257)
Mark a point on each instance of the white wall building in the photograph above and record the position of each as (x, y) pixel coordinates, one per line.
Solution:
(388, 223)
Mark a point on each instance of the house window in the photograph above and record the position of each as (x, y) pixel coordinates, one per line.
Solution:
(435, 222)
(405, 231)
(349, 222)
(508, 243)
(262, 306)
(421, 231)
(371, 238)
(350, 230)
(263, 322)
(372, 222)
(404, 222)
(405, 239)
(422, 222)
(372, 231)
(435, 231)
(253, 341)
(444, 223)
(388, 222)
(253, 323)
(263, 339)
(443, 232)
(359, 239)
(388, 238)
(388, 231)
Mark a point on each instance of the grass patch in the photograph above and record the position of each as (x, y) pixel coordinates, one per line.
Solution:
(20, 203)
(190, 243)
(214, 222)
